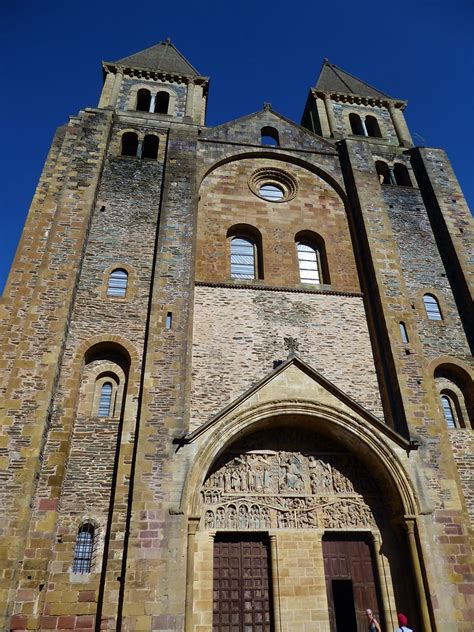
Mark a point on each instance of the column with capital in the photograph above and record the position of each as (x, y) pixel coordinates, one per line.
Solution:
(189, 98)
(330, 113)
(409, 524)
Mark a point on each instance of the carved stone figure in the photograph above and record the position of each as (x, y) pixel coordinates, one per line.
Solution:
(287, 489)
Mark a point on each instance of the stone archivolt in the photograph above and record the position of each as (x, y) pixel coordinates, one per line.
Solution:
(264, 489)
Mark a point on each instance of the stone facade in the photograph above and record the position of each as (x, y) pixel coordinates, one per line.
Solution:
(263, 406)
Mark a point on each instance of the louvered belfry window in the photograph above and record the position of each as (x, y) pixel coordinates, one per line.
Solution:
(242, 258)
(309, 264)
(118, 281)
(84, 549)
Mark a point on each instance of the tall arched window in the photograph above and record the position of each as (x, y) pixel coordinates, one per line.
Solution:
(143, 100)
(383, 172)
(129, 144)
(402, 177)
(309, 262)
(269, 136)
(356, 125)
(448, 410)
(105, 401)
(162, 102)
(432, 308)
(242, 258)
(84, 549)
(372, 127)
(150, 147)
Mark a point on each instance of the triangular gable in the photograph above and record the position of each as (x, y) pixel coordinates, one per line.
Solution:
(293, 380)
(246, 129)
(335, 79)
(163, 57)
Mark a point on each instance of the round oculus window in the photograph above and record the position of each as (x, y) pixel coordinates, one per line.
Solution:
(271, 192)
(273, 184)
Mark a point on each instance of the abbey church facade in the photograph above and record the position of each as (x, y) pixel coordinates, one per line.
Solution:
(237, 387)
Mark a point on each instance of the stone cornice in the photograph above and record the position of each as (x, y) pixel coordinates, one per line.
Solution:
(154, 75)
(344, 97)
(277, 288)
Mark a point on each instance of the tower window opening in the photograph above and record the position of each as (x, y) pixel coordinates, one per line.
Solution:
(242, 258)
(169, 320)
(356, 125)
(162, 102)
(129, 144)
(383, 172)
(403, 333)
(105, 402)
(84, 549)
(150, 147)
(402, 177)
(372, 127)
(432, 308)
(118, 282)
(143, 100)
(309, 263)
(448, 411)
(270, 136)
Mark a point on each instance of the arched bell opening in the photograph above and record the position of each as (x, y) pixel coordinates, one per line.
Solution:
(300, 483)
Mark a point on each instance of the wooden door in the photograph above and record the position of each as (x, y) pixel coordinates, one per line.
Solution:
(350, 581)
(242, 597)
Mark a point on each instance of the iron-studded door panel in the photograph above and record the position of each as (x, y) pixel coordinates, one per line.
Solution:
(241, 584)
(348, 557)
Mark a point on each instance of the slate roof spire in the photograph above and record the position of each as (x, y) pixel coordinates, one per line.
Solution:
(164, 57)
(335, 79)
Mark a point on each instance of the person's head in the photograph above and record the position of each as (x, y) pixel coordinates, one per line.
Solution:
(369, 614)
(402, 620)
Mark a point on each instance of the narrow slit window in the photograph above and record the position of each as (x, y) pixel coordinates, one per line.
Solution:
(105, 402)
(169, 320)
(448, 411)
(84, 549)
(118, 283)
(309, 263)
(403, 333)
(242, 258)
(432, 307)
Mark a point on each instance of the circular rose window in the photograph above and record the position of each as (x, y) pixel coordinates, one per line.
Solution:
(273, 185)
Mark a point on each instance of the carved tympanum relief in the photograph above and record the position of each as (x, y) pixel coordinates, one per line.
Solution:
(254, 488)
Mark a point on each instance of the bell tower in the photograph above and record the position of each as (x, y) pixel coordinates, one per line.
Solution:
(157, 82)
(341, 106)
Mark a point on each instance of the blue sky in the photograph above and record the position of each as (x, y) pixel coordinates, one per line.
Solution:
(254, 52)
